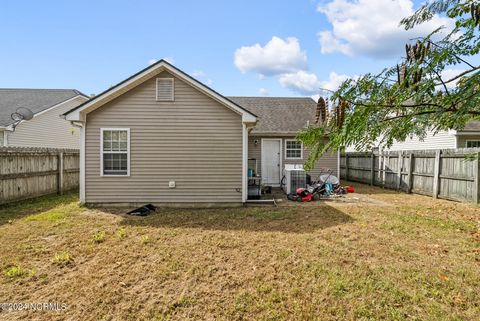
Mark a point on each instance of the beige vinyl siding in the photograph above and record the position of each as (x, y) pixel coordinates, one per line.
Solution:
(462, 140)
(329, 161)
(193, 141)
(48, 129)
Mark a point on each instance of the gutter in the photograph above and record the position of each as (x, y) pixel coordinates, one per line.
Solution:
(76, 123)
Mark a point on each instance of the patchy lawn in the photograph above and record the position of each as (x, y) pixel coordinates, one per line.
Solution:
(397, 257)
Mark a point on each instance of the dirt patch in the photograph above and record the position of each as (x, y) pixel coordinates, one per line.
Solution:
(338, 200)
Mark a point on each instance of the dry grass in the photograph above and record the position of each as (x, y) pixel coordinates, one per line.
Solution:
(394, 257)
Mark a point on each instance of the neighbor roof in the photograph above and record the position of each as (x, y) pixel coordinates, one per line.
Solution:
(471, 126)
(279, 115)
(36, 100)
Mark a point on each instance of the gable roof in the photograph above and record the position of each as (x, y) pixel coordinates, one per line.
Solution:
(37, 100)
(279, 115)
(471, 126)
(101, 99)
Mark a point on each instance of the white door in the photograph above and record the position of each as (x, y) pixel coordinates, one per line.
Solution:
(271, 161)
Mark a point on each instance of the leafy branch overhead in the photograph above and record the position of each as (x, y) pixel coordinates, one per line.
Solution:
(412, 97)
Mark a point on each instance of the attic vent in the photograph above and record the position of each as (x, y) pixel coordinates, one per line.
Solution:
(165, 89)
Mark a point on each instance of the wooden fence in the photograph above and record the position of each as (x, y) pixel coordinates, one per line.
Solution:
(31, 172)
(449, 174)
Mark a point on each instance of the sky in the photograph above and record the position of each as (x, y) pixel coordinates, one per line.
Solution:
(239, 48)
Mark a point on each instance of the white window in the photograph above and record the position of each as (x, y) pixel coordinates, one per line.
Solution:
(293, 149)
(115, 151)
(473, 143)
(165, 89)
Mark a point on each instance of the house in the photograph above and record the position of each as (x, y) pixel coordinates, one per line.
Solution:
(45, 129)
(278, 121)
(161, 136)
(468, 137)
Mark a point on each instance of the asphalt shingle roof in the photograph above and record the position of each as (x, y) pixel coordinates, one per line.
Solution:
(36, 100)
(283, 115)
(471, 126)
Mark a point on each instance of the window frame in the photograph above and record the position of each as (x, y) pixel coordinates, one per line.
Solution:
(286, 148)
(472, 140)
(173, 89)
(102, 152)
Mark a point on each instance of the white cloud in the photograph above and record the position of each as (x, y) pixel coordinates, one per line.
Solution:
(152, 61)
(371, 27)
(285, 59)
(334, 81)
(302, 81)
(198, 73)
(263, 92)
(307, 83)
(448, 74)
(278, 56)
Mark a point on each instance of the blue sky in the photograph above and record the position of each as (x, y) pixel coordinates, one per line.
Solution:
(91, 45)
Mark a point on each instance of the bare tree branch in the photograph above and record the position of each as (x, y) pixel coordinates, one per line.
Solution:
(443, 83)
(460, 75)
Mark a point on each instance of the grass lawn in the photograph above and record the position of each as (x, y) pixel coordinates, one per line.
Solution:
(395, 257)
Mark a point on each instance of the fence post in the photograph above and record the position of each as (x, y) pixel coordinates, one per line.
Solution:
(60, 173)
(384, 168)
(399, 169)
(476, 183)
(346, 166)
(380, 168)
(372, 169)
(436, 174)
(410, 173)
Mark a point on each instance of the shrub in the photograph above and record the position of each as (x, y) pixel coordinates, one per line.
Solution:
(16, 271)
(146, 239)
(122, 233)
(63, 258)
(99, 237)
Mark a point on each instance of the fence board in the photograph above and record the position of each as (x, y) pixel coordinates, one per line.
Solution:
(447, 174)
(32, 172)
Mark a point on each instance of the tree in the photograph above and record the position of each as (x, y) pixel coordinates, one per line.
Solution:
(412, 97)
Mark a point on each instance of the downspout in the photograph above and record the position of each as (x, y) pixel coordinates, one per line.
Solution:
(455, 134)
(244, 162)
(5, 132)
(82, 159)
(5, 138)
(246, 128)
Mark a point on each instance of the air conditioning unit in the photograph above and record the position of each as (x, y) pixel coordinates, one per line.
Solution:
(295, 177)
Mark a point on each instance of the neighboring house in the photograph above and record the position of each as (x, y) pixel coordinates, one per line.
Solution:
(468, 137)
(161, 136)
(46, 128)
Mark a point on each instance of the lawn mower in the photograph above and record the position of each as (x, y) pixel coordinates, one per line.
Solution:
(326, 184)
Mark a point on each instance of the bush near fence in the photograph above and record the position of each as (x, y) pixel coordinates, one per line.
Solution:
(448, 173)
(32, 172)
